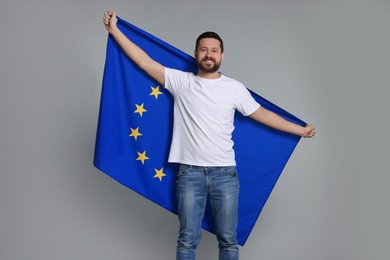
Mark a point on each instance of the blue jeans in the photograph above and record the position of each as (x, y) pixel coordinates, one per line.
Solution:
(218, 185)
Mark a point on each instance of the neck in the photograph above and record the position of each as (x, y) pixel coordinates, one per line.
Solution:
(207, 75)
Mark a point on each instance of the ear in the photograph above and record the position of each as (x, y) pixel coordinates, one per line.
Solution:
(222, 56)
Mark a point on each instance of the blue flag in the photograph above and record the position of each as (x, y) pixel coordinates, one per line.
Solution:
(135, 129)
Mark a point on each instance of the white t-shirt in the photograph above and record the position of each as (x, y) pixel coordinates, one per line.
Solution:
(203, 117)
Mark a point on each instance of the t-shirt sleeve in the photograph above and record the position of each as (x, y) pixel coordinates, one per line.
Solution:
(174, 79)
(246, 104)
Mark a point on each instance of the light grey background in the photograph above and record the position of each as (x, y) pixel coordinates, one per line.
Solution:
(325, 61)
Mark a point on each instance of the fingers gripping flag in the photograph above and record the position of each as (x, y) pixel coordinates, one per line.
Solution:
(135, 128)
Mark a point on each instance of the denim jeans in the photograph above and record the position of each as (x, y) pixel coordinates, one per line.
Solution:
(218, 185)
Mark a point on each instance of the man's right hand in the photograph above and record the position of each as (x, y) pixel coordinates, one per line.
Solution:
(110, 20)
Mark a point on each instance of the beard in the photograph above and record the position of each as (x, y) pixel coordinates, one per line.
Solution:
(206, 68)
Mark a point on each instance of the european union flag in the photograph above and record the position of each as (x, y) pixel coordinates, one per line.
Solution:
(135, 128)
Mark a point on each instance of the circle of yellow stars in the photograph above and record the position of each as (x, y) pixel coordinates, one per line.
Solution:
(135, 133)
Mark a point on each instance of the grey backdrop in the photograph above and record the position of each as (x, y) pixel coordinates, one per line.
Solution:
(325, 61)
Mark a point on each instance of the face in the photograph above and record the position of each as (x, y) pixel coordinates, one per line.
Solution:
(208, 55)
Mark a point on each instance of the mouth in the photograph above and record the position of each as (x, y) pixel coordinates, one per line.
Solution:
(208, 61)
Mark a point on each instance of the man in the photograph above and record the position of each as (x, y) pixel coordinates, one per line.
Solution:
(204, 107)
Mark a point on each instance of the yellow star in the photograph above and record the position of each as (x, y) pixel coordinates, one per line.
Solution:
(142, 157)
(140, 109)
(155, 92)
(135, 133)
(159, 174)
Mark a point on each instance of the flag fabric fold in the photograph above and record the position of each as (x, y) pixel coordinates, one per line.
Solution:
(135, 127)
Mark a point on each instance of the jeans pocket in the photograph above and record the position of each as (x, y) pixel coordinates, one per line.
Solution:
(230, 170)
(183, 170)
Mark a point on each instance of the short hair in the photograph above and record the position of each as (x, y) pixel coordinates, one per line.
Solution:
(209, 35)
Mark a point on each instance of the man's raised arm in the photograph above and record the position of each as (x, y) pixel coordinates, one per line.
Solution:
(135, 53)
(273, 120)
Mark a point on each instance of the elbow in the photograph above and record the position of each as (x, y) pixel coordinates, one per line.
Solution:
(143, 63)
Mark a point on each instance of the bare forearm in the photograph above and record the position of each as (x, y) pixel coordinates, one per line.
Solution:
(275, 121)
(135, 53)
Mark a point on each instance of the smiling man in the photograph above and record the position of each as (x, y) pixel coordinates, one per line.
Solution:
(209, 54)
(204, 107)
